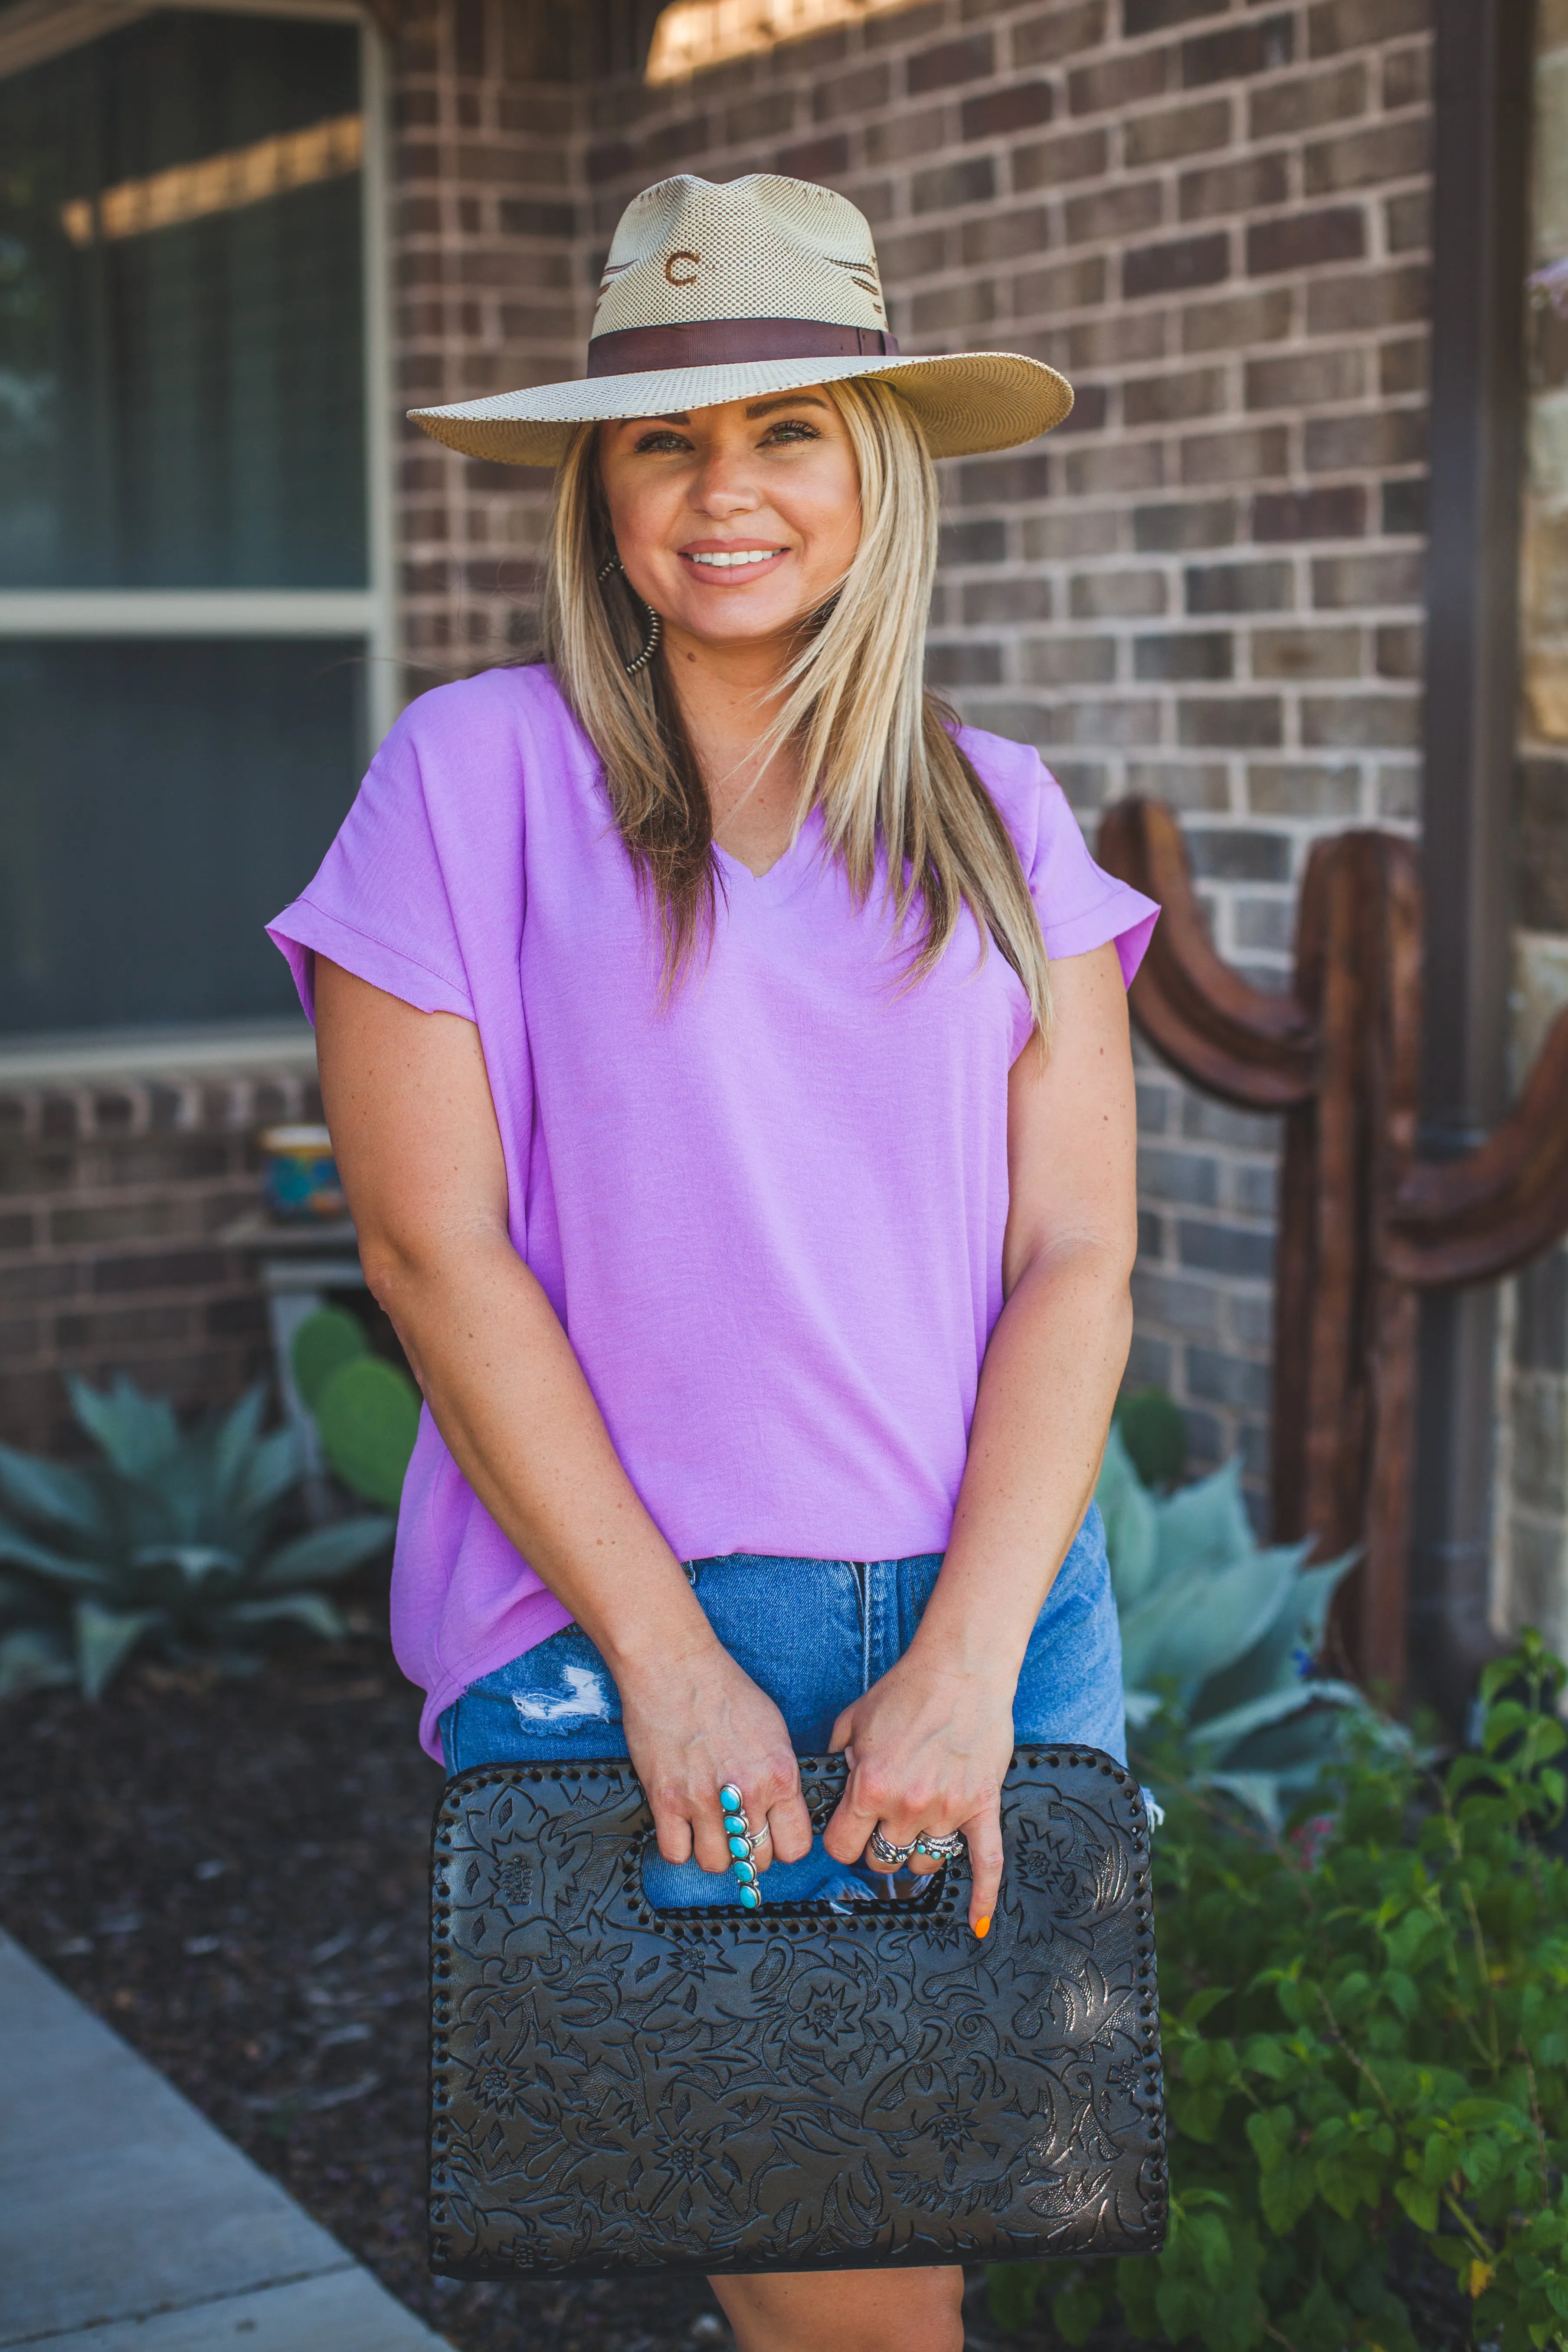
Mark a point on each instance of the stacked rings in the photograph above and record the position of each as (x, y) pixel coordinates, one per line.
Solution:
(743, 1846)
(934, 1848)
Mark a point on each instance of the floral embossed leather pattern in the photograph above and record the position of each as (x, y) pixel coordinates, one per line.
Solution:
(806, 2087)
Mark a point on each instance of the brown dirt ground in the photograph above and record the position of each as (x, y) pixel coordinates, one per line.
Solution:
(169, 1856)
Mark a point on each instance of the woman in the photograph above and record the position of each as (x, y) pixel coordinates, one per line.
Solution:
(764, 1268)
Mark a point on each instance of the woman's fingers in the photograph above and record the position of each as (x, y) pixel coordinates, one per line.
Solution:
(791, 1831)
(983, 1835)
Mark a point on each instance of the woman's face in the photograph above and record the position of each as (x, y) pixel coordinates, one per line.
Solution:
(734, 521)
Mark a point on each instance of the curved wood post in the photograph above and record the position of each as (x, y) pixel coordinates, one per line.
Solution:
(1364, 1225)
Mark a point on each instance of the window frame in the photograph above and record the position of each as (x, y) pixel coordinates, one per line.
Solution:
(30, 34)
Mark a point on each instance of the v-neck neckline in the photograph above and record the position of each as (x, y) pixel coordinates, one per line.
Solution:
(782, 874)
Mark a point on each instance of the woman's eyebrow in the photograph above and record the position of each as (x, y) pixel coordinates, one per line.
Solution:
(785, 400)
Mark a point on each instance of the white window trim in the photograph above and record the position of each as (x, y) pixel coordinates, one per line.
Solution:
(31, 32)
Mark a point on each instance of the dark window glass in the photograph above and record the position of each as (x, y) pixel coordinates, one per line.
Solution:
(180, 330)
(158, 803)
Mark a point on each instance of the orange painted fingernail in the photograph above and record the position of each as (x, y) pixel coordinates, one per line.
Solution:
(983, 1927)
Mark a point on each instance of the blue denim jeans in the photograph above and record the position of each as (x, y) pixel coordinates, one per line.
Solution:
(814, 1634)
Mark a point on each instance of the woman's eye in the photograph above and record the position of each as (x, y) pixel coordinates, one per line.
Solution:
(791, 428)
(655, 442)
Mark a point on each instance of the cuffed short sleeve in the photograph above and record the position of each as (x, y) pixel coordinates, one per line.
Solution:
(1080, 906)
(379, 905)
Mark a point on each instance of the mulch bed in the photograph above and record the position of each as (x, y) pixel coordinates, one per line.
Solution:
(168, 1857)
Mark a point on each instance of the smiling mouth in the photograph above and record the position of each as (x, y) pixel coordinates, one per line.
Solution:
(732, 559)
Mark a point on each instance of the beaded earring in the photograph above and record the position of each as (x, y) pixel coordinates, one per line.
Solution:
(655, 621)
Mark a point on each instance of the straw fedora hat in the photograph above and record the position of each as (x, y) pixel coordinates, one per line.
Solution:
(724, 293)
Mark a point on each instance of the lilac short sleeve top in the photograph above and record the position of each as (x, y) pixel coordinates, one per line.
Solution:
(768, 1213)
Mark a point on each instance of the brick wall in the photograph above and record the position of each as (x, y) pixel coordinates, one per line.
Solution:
(112, 1202)
(1213, 217)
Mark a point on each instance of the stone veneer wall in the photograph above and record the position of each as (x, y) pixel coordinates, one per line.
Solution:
(1213, 218)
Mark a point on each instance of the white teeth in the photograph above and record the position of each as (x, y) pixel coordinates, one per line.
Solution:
(736, 555)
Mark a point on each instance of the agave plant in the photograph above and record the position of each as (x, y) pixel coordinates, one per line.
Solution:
(167, 1542)
(1229, 1632)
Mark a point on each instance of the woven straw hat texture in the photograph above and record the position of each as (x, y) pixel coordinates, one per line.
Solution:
(715, 276)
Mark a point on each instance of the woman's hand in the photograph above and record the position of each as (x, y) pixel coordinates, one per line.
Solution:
(927, 1746)
(694, 1721)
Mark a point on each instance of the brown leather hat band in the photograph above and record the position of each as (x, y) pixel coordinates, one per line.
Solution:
(726, 342)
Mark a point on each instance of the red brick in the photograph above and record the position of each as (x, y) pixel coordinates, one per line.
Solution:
(1372, 438)
(1058, 33)
(1177, 131)
(1407, 76)
(1372, 298)
(969, 59)
(1358, 159)
(856, 94)
(1004, 236)
(1336, 25)
(1116, 83)
(1308, 100)
(1115, 213)
(1160, 400)
(1238, 324)
(1239, 453)
(1080, 155)
(815, 159)
(1306, 379)
(1159, 15)
(1241, 187)
(1020, 106)
(1302, 240)
(973, 182)
(1254, 49)
(1337, 513)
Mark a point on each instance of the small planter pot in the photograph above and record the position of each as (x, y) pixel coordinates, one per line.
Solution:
(302, 1176)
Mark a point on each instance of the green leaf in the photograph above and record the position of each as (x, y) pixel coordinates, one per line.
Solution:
(322, 1344)
(1154, 1430)
(236, 1442)
(327, 1552)
(33, 1657)
(1011, 2291)
(62, 1498)
(1419, 2200)
(19, 1550)
(1127, 1511)
(139, 1433)
(105, 1638)
(273, 1467)
(368, 1415)
(311, 1609)
(193, 1563)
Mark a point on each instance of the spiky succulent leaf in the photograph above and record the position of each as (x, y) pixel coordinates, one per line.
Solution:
(324, 1342)
(1294, 1639)
(1205, 1525)
(33, 1657)
(274, 1467)
(234, 1445)
(18, 1549)
(105, 1638)
(1200, 1618)
(191, 1564)
(326, 1552)
(311, 1609)
(139, 1433)
(49, 1492)
(1128, 1510)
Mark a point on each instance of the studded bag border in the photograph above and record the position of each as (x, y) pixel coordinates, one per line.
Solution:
(812, 2086)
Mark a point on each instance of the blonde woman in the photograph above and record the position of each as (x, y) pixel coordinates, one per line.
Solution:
(727, 1061)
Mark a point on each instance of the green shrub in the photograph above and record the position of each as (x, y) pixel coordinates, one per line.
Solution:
(1226, 1630)
(1154, 1430)
(365, 1410)
(168, 1542)
(1365, 2031)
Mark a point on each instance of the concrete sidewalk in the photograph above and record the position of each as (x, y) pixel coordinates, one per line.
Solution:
(128, 2224)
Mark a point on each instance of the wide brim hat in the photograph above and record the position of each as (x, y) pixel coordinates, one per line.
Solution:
(764, 284)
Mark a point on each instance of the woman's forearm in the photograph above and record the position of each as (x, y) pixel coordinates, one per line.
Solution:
(1047, 1388)
(509, 1399)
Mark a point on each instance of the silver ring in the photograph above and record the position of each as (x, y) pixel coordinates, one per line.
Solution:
(885, 1851)
(939, 1849)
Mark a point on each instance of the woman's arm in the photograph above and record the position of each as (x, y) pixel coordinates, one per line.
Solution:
(931, 1741)
(414, 1130)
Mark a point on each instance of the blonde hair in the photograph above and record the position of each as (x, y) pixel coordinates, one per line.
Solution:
(877, 751)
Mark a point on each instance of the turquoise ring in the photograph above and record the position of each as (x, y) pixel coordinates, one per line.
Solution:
(743, 1846)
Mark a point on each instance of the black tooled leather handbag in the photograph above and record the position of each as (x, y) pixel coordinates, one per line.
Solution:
(805, 2087)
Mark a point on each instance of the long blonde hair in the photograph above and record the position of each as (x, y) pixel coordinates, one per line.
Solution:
(877, 751)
